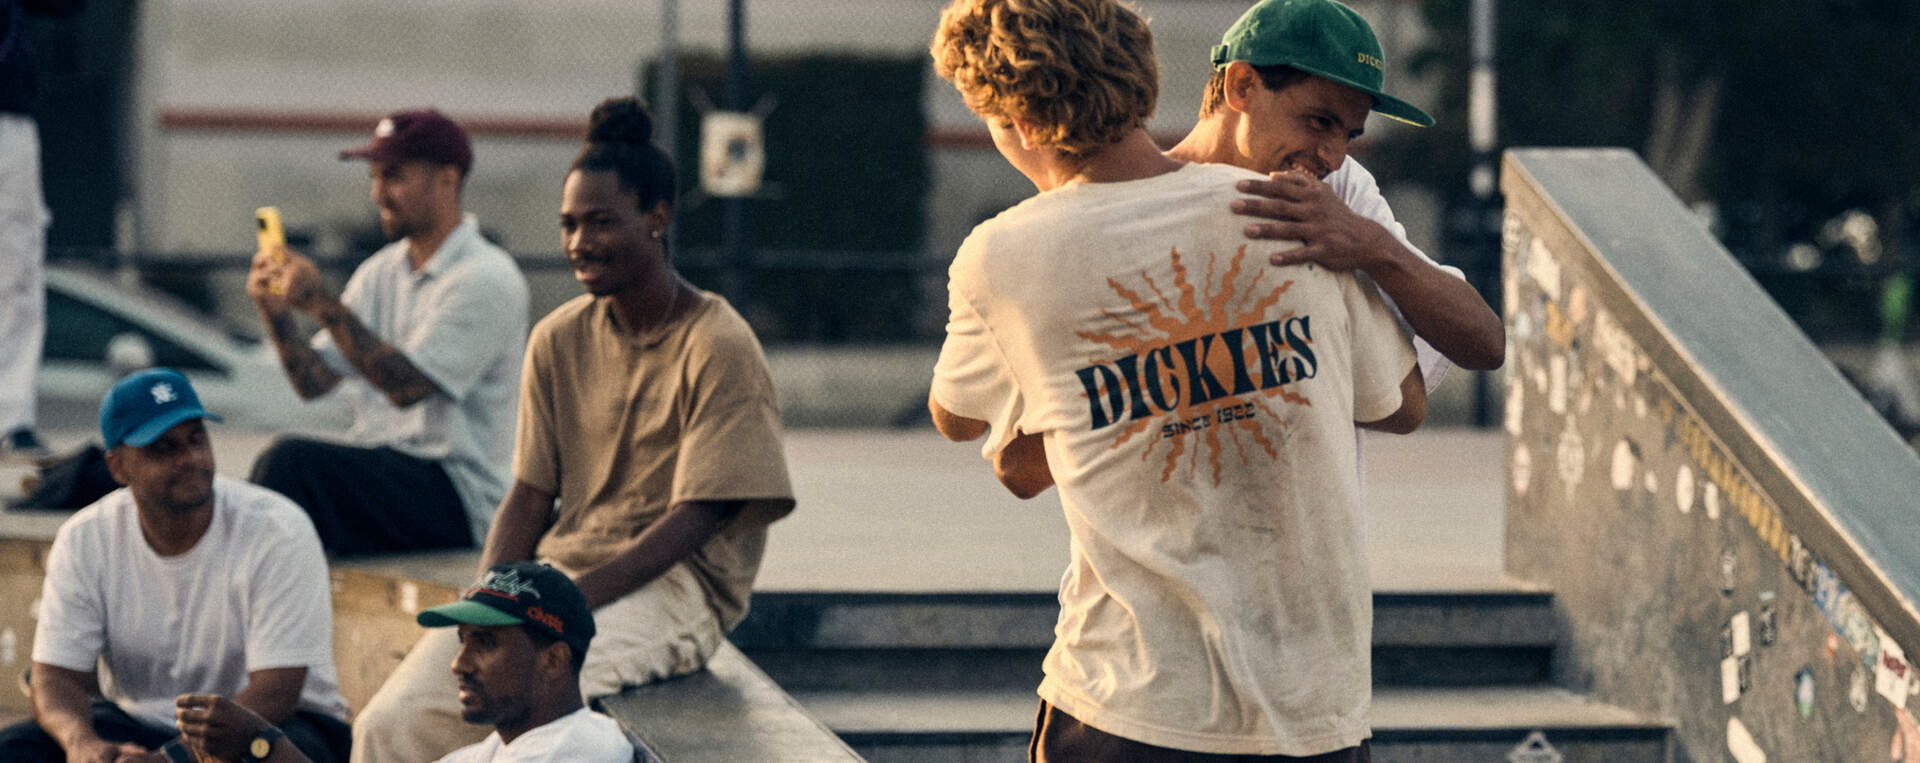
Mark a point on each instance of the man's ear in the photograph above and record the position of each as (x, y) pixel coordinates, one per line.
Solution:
(1237, 84)
(556, 659)
(447, 177)
(1029, 133)
(115, 465)
(659, 216)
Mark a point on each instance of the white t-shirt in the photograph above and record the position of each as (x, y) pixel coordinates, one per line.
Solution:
(1357, 187)
(1198, 409)
(251, 595)
(582, 736)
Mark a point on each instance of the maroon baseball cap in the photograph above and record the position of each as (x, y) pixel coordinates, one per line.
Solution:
(424, 134)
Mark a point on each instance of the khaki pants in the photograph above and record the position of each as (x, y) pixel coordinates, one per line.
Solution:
(665, 629)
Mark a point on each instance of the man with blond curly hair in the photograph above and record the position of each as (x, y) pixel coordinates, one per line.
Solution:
(1113, 336)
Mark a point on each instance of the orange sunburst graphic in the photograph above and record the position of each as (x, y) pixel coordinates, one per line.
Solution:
(1205, 360)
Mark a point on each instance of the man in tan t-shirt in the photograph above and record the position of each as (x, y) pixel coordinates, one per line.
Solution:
(647, 463)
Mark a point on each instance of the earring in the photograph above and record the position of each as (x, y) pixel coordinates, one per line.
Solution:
(654, 233)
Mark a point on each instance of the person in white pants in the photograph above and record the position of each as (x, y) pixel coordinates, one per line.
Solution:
(23, 228)
(23, 310)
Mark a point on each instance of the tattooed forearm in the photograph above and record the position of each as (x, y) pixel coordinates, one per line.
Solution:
(385, 367)
(310, 376)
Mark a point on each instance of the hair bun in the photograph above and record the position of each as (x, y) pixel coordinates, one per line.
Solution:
(620, 120)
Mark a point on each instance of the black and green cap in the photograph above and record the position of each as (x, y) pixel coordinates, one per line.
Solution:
(1319, 37)
(521, 593)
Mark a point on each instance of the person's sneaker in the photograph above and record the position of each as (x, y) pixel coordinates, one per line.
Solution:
(25, 443)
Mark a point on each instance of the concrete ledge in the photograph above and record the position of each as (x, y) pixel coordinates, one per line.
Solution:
(730, 711)
(25, 538)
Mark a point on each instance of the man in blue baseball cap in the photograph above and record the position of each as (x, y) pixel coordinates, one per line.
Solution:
(180, 583)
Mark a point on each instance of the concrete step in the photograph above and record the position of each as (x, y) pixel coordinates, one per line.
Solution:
(826, 640)
(1410, 724)
(1513, 615)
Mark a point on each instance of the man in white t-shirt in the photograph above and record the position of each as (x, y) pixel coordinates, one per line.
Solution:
(1117, 336)
(1261, 111)
(181, 582)
(524, 632)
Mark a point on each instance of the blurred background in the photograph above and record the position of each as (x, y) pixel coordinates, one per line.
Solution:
(1785, 125)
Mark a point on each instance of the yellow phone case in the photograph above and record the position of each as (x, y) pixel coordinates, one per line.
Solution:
(267, 226)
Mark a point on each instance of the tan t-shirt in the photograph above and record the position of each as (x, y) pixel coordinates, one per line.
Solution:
(1198, 409)
(621, 428)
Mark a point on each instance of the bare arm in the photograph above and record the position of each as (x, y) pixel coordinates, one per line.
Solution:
(63, 706)
(381, 364)
(954, 426)
(524, 515)
(223, 728)
(310, 375)
(274, 693)
(1413, 407)
(1444, 310)
(1022, 466)
(673, 537)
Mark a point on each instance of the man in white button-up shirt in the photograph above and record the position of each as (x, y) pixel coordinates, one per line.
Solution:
(425, 342)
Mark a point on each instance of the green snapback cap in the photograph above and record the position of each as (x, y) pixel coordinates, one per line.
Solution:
(1320, 37)
(521, 593)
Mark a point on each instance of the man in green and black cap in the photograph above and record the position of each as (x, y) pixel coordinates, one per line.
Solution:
(1292, 85)
(524, 632)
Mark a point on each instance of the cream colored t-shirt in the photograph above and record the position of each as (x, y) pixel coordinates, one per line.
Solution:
(1198, 409)
(621, 428)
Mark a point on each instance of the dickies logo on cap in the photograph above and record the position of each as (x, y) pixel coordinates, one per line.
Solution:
(521, 593)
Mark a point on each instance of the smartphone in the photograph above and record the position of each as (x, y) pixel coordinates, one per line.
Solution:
(272, 237)
(266, 221)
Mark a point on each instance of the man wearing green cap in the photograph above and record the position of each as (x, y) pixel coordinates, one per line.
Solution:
(1293, 82)
(524, 630)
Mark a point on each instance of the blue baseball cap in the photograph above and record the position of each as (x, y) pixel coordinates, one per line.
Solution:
(146, 404)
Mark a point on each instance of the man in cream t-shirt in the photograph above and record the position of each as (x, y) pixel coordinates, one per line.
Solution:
(1116, 335)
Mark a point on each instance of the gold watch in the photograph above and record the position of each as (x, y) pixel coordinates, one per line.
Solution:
(262, 745)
